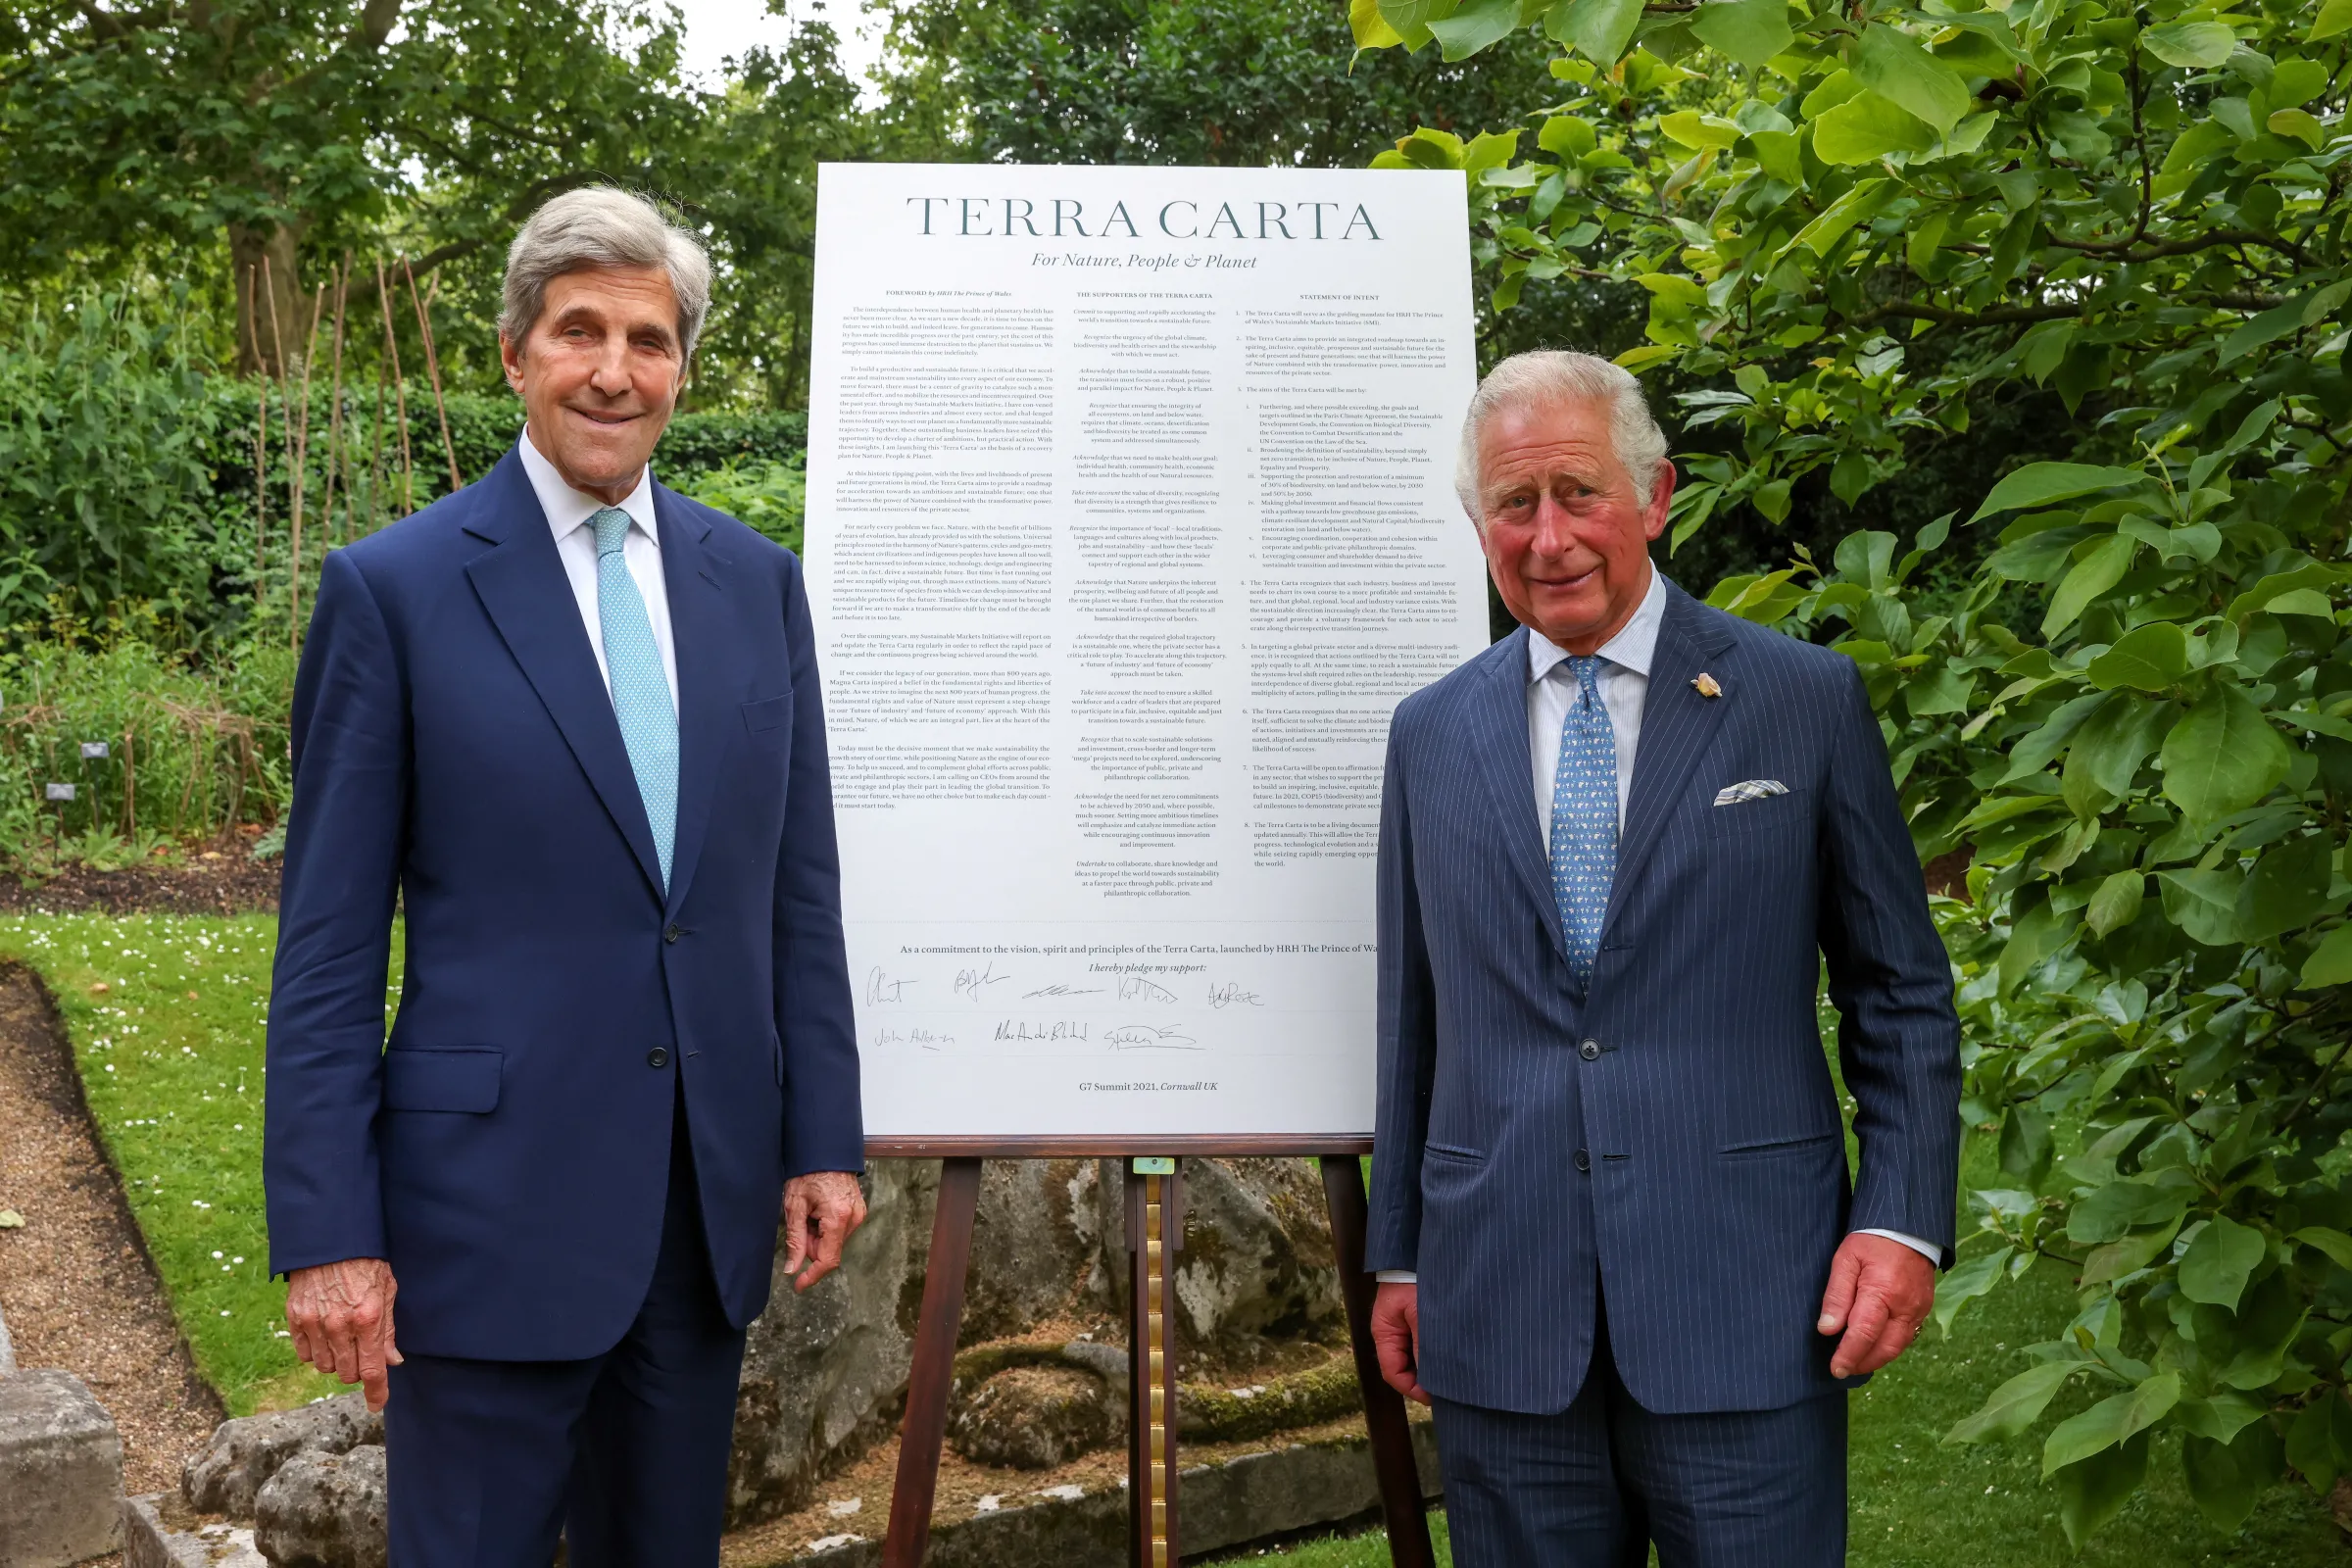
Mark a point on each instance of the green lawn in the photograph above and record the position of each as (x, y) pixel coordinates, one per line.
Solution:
(171, 1052)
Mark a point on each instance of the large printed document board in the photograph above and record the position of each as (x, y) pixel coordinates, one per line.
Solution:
(1131, 520)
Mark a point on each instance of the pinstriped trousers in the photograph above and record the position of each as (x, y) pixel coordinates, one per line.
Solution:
(1598, 1483)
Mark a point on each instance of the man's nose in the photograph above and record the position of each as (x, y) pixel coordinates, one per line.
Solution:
(1552, 536)
(611, 373)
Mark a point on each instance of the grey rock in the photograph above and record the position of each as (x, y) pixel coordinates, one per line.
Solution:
(151, 1539)
(1257, 1261)
(824, 1373)
(324, 1510)
(1043, 1245)
(1036, 1417)
(60, 1472)
(244, 1453)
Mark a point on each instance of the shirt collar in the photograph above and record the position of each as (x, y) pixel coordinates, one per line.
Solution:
(1631, 649)
(568, 509)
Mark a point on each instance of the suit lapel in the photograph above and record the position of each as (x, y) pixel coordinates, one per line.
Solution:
(693, 578)
(1678, 725)
(1499, 748)
(523, 585)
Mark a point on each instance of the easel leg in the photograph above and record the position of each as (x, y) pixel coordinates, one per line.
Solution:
(933, 1375)
(1384, 1408)
(1155, 1235)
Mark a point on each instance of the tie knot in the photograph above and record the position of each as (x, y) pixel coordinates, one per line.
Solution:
(611, 529)
(1587, 669)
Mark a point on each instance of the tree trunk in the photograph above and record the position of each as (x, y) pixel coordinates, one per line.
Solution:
(258, 349)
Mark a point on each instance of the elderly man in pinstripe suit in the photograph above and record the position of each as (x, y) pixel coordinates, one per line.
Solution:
(1619, 1248)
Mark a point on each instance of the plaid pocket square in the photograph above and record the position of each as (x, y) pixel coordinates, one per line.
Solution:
(1754, 789)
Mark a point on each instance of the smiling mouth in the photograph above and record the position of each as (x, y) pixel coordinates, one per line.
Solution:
(1578, 580)
(593, 416)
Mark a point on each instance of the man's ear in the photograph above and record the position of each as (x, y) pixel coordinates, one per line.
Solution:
(509, 356)
(1661, 500)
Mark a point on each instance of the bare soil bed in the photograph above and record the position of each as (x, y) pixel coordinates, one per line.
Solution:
(77, 1287)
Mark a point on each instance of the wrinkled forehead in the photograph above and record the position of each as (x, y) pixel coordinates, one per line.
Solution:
(630, 298)
(1535, 441)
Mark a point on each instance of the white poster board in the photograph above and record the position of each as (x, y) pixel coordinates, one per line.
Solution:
(1131, 518)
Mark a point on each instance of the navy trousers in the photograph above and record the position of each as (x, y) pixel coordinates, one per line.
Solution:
(623, 1454)
(1598, 1485)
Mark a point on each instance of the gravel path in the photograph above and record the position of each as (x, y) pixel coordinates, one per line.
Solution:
(75, 1284)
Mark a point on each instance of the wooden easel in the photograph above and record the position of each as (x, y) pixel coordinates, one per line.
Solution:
(1154, 1206)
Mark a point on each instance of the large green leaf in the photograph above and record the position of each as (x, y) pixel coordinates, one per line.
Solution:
(2149, 657)
(2219, 1262)
(2223, 755)
(2017, 1403)
(2108, 749)
(1897, 66)
(2287, 888)
(1866, 127)
(2201, 45)
(2226, 1480)
(2087, 580)
(1599, 29)
(2331, 963)
(2124, 1205)
(1474, 25)
(2116, 903)
(2037, 484)
(1966, 1281)
(2094, 1491)
(2203, 903)
(2113, 1420)
(1750, 31)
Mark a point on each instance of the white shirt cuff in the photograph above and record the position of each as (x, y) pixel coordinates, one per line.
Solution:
(1927, 1250)
(1397, 1276)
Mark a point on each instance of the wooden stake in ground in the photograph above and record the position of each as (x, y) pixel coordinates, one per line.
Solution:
(408, 468)
(334, 421)
(286, 393)
(432, 371)
(302, 460)
(375, 462)
(260, 458)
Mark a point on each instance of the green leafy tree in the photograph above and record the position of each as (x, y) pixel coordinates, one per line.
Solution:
(295, 131)
(1857, 228)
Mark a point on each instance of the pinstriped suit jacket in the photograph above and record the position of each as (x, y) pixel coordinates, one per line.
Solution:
(1693, 1166)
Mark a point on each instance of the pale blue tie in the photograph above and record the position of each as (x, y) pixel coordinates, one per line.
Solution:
(649, 719)
(1584, 817)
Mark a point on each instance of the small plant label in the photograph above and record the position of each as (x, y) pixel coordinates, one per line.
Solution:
(60, 792)
(93, 751)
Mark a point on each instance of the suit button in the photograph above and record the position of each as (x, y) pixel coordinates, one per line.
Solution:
(1589, 1051)
(1583, 1161)
(659, 1056)
(672, 934)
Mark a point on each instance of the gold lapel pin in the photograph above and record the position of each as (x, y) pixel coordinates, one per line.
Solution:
(1706, 685)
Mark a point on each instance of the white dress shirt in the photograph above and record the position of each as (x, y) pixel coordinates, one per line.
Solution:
(568, 512)
(1622, 680)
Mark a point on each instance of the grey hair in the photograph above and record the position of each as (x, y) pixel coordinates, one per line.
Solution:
(1547, 376)
(599, 225)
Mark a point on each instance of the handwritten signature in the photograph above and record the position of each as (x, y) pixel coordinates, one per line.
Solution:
(1061, 991)
(1024, 1029)
(1135, 988)
(880, 988)
(1231, 995)
(1132, 1036)
(974, 983)
(925, 1038)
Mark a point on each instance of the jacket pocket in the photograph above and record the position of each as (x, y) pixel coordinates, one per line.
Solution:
(464, 1079)
(1768, 1148)
(768, 713)
(1749, 816)
(1471, 1156)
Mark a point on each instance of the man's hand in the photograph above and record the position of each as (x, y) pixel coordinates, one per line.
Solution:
(1879, 1294)
(820, 1209)
(341, 1317)
(1397, 1335)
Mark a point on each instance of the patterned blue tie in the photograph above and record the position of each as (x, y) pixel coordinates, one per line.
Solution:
(1583, 818)
(649, 720)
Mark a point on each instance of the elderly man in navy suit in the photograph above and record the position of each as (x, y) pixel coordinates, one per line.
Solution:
(570, 719)
(1619, 1249)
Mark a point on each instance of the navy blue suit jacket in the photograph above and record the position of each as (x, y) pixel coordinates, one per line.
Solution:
(1673, 1135)
(507, 1150)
